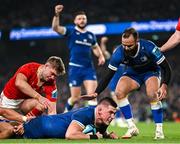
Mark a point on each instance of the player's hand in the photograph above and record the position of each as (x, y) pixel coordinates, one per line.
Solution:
(30, 117)
(99, 135)
(88, 97)
(104, 39)
(112, 135)
(58, 9)
(45, 102)
(101, 60)
(19, 130)
(162, 92)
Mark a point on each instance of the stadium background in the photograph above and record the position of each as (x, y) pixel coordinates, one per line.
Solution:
(27, 14)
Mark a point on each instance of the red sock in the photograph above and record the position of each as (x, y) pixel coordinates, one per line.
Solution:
(34, 112)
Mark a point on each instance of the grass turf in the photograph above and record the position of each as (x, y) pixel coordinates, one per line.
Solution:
(171, 131)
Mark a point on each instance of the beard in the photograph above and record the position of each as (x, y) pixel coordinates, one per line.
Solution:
(81, 27)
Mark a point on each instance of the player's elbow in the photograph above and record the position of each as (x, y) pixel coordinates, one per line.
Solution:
(18, 83)
(69, 136)
(55, 28)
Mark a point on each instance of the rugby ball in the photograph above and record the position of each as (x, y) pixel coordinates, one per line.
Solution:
(90, 129)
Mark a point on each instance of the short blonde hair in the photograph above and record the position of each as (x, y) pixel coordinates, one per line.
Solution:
(57, 63)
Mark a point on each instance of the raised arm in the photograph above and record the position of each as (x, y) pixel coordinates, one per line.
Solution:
(56, 21)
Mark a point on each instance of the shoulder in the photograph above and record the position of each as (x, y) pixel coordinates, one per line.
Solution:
(147, 44)
(31, 65)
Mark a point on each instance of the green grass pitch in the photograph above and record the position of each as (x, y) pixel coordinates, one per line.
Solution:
(171, 131)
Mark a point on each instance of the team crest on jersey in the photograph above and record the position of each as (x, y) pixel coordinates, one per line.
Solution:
(90, 36)
(77, 33)
(143, 59)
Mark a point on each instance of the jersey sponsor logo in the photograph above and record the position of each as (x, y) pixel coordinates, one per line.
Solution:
(54, 93)
(83, 43)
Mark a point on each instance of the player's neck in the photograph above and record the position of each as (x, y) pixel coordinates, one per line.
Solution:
(80, 29)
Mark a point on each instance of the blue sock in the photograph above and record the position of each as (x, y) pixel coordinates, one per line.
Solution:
(125, 108)
(69, 105)
(157, 112)
(118, 113)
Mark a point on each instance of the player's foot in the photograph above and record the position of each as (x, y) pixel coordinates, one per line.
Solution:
(159, 134)
(132, 131)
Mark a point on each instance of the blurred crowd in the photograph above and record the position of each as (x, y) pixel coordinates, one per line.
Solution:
(19, 13)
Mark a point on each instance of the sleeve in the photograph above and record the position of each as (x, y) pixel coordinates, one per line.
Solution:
(68, 31)
(82, 118)
(155, 53)
(26, 70)
(94, 42)
(178, 25)
(116, 59)
(51, 93)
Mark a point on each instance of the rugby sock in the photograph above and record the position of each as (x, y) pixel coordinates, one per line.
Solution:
(118, 113)
(69, 105)
(157, 112)
(34, 112)
(126, 111)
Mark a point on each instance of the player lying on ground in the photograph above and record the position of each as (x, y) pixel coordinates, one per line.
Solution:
(70, 125)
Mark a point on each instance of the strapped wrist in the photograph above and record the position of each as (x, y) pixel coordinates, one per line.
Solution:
(56, 14)
(24, 118)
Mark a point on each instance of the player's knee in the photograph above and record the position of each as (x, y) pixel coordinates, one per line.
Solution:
(40, 107)
(120, 95)
(152, 96)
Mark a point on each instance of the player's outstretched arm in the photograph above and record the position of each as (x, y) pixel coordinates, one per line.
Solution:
(103, 45)
(75, 131)
(12, 115)
(173, 41)
(55, 23)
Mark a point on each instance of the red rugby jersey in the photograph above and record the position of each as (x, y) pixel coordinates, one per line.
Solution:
(48, 89)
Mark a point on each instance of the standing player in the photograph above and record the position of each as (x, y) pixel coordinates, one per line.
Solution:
(80, 43)
(32, 89)
(174, 40)
(144, 62)
(70, 125)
